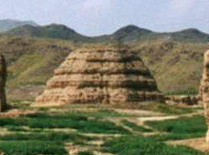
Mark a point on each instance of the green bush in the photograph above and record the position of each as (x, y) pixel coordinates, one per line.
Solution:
(53, 136)
(32, 148)
(183, 125)
(181, 128)
(134, 145)
(176, 136)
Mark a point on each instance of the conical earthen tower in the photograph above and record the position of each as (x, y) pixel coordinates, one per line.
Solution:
(100, 75)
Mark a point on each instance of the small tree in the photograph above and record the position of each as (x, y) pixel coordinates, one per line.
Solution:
(3, 77)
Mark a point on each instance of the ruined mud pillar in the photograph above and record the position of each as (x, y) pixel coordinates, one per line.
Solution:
(204, 90)
(3, 76)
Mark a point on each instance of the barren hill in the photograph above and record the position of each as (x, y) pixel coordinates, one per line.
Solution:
(176, 66)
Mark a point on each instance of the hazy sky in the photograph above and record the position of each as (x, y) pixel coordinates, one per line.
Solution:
(96, 17)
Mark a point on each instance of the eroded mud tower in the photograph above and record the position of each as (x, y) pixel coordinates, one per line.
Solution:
(100, 75)
(3, 76)
(204, 90)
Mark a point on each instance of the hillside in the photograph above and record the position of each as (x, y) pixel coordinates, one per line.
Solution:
(189, 35)
(31, 62)
(130, 33)
(176, 66)
(52, 31)
(8, 24)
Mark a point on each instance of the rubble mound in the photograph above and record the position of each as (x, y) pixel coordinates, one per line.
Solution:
(204, 89)
(97, 75)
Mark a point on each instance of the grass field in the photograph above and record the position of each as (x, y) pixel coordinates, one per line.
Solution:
(95, 130)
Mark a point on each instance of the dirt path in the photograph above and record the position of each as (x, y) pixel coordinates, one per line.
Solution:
(92, 146)
(196, 143)
(17, 112)
(163, 118)
(139, 113)
(141, 120)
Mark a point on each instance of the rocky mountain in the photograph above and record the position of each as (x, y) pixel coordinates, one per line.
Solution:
(33, 52)
(8, 24)
(128, 33)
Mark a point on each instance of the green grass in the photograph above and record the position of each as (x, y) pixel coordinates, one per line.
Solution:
(80, 123)
(34, 133)
(51, 136)
(101, 113)
(163, 108)
(32, 148)
(176, 136)
(135, 145)
(35, 141)
(85, 153)
(15, 128)
(181, 128)
(136, 127)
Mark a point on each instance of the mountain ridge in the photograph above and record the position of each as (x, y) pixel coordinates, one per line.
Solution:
(129, 33)
(8, 24)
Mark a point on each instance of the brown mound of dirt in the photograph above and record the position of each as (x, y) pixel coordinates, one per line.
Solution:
(204, 89)
(197, 143)
(100, 75)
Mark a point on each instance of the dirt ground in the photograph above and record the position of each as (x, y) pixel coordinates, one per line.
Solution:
(196, 143)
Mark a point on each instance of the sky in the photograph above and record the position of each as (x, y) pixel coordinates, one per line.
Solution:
(98, 17)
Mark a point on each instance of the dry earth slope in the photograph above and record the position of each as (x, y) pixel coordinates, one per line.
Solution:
(176, 66)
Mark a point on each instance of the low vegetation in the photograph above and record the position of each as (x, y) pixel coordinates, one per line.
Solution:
(163, 108)
(32, 148)
(133, 145)
(80, 123)
(85, 153)
(56, 131)
(182, 128)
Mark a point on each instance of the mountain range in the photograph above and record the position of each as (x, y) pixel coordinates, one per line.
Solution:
(8, 24)
(33, 52)
(130, 33)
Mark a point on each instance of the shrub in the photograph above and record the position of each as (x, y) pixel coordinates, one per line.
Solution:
(134, 145)
(32, 148)
(182, 128)
(185, 125)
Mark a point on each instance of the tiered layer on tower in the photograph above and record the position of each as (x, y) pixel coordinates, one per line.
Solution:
(100, 75)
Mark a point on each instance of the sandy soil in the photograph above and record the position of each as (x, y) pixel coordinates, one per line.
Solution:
(17, 112)
(197, 143)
